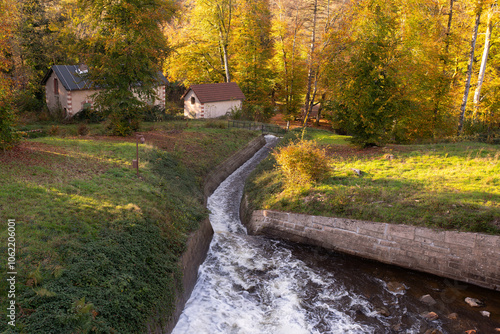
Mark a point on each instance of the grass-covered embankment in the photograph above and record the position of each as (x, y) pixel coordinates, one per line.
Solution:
(97, 247)
(451, 186)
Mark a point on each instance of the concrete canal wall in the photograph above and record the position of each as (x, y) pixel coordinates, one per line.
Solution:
(469, 257)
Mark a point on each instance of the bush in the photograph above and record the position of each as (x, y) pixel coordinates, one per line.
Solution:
(302, 163)
(54, 130)
(89, 115)
(9, 137)
(154, 114)
(215, 124)
(252, 112)
(83, 129)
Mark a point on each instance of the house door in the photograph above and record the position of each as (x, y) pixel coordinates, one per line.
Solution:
(210, 111)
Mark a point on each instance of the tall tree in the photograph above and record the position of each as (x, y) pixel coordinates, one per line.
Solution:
(124, 48)
(311, 70)
(369, 91)
(217, 20)
(252, 40)
(487, 44)
(8, 136)
(289, 63)
(477, 14)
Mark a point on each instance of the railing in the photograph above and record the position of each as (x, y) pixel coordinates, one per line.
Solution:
(256, 126)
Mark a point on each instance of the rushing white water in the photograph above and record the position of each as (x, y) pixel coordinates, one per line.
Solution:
(256, 285)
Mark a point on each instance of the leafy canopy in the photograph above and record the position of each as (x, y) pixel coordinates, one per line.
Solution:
(124, 49)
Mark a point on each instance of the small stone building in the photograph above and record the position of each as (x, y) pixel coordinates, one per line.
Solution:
(212, 100)
(67, 90)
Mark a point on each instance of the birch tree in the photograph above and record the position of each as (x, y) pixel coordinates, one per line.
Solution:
(477, 14)
(486, 50)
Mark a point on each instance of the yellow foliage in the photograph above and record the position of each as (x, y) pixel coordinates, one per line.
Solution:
(302, 163)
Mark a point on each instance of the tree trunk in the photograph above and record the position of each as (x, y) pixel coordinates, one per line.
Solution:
(310, 72)
(226, 63)
(224, 33)
(482, 70)
(321, 102)
(448, 29)
(469, 71)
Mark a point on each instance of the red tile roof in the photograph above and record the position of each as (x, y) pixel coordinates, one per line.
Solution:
(227, 91)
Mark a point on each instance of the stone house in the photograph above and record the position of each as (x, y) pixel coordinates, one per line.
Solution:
(66, 90)
(212, 100)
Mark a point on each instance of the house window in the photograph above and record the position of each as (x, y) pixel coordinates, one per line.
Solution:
(193, 100)
(56, 87)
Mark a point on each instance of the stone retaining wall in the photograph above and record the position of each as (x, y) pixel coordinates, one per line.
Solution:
(469, 257)
(199, 241)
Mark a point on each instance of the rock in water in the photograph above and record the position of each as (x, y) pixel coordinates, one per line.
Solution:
(427, 299)
(473, 302)
(431, 316)
(485, 314)
(396, 287)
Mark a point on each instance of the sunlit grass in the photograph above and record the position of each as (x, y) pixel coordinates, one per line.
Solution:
(452, 186)
(328, 138)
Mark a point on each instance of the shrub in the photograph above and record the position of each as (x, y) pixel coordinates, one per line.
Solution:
(83, 129)
(215, 124)
(252, 112)
(154, 114)
(8, 136)
(89, 115)
(302, 163)
(54, 130)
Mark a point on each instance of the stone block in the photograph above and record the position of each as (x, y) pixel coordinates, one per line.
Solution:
(374, 227)
(276, 215)
(323, 221)
(370, 232)
(388, 243)
(401, 231)
(345, 224)
(489, 242)
(460, 251)
(300, 219)
(461, 238)
(428, 235)
(299, 228)
(437, 251)
(494, 282)
(455, 264)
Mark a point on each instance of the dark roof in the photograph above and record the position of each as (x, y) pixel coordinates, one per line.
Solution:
(71, 78)
(217, 92)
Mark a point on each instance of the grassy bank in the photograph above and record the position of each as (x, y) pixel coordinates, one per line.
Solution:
(451, 186)
(96, 246)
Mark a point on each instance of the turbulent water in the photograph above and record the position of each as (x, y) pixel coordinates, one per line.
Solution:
(252, 284)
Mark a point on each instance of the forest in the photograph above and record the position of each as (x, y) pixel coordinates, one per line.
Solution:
(379, 70)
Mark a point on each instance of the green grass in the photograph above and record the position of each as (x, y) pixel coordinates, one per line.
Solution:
(450, 186)
(97, 247)
(327, 138)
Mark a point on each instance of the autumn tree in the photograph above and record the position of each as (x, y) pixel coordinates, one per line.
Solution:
(42, 38)
(289, 62)
(369, 90)
(8, 135)
(251, 64)
(124, 48)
